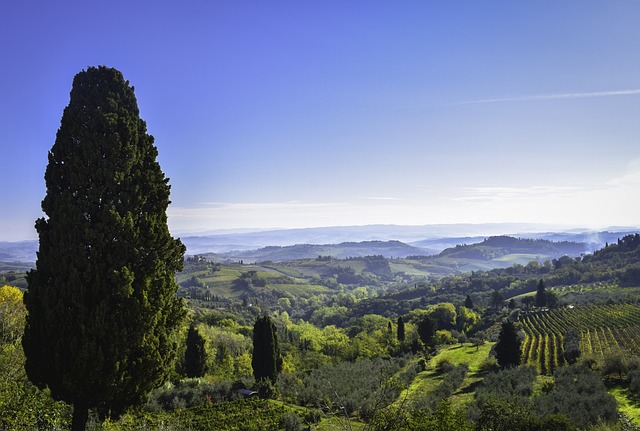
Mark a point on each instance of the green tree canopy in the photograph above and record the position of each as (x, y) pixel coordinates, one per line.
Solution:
(443, 314)
(102, 306)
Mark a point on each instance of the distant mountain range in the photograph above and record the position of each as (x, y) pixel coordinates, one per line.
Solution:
(500, 250)
(354, 241)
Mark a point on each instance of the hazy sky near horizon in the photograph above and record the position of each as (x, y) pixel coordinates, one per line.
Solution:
(327, 113)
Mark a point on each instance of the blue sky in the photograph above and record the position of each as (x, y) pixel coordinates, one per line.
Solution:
(327, 113)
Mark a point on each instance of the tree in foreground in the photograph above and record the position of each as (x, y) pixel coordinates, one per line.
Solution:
(508, 346)
(195, 356)
(102, 303)
(266, 360)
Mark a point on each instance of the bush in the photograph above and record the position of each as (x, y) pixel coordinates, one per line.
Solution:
(444, 366)
(290, 422)
(489, 365)
(190, 393)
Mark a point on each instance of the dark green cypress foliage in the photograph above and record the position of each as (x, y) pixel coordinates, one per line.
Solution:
(426, 330)
(195, 356)
(102, 306)
(401, 333)
(266, 360)
(541, 296)
(508, 346)
(468, 302)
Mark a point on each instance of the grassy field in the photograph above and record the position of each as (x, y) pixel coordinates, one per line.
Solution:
(457, 355)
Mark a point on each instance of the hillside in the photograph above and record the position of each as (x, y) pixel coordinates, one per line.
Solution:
(338, 325)
(500, 246)
(237, 275)
(337, 251)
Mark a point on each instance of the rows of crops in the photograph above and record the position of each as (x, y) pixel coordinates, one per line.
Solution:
(603, 328)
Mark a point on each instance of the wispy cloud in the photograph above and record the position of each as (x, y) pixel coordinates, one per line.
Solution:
(556, 96)
(379, 198)
(512, 193)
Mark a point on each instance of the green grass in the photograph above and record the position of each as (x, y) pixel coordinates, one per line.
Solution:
(627, 402)
(464, 354)
(429, 379)
(521, 258)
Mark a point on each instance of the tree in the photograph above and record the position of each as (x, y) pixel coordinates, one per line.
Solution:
(468, 302)
(497, 299)
(266, 360)
(528, 301)
(400, 329)
(426, 330)
(102, 305)
(443, 314)
(466, 319)
(541, 296)
(12, 315)
(508, 346)
(571, 345)
(195, 356)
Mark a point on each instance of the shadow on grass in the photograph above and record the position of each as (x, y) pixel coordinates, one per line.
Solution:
(471, 388)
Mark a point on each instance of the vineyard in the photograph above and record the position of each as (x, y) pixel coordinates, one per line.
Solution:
(602, 328)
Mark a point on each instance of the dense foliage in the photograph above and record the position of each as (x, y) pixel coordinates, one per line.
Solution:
(103, 314)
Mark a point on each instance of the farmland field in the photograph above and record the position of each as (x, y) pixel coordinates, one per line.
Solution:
(602, 328)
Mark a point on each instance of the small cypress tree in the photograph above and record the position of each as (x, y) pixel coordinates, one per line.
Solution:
(468, 303)
(541, 295)
(426, 330)
(400, 330)
(195, 356)
(508, 346)
(266, 360)
(102, 306)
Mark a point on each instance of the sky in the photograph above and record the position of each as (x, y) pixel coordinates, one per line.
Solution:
(288, 114)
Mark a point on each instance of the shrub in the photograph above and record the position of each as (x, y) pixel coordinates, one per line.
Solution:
(489, 364)
(444, 366)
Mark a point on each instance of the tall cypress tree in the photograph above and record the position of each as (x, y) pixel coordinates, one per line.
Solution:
(508, 346)
(195, 356)
(101, 300)
(266, 360)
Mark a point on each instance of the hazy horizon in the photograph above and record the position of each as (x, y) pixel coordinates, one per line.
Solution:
(293, 115)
